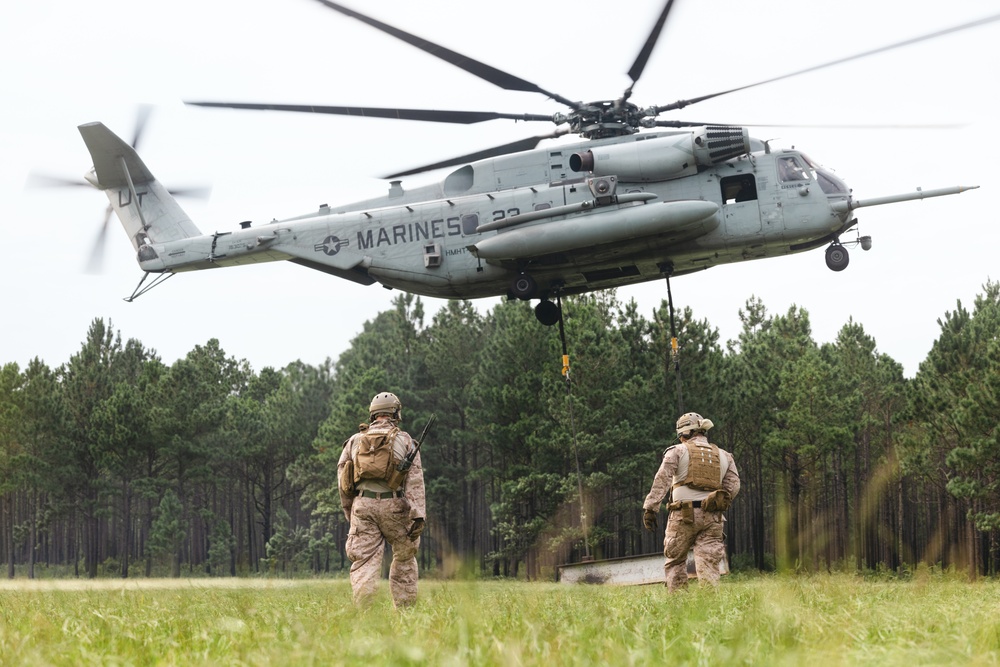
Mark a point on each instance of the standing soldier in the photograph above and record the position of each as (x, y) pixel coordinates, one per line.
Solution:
(382, 505)
(704, 481)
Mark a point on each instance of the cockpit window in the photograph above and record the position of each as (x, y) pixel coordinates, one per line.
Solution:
(790, 169)
(828, 182)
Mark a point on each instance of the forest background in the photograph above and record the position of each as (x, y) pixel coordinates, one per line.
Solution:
(114, 461)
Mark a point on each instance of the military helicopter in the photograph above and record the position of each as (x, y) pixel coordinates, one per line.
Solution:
(637, 199)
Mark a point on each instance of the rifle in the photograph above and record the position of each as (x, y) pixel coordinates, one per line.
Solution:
(403, 467)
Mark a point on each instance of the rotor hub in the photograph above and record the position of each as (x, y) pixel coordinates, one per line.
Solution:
(606, 118)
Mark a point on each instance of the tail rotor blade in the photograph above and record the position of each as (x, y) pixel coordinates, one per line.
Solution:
(141, 118)
(95, 263)
(39, 180)
(193, 192)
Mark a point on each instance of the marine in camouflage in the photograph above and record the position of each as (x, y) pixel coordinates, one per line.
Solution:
(690, 527)
(386, 518)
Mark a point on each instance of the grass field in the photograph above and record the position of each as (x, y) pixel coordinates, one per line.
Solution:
(932, 619)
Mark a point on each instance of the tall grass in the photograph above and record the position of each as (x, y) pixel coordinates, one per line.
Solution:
(781, 620)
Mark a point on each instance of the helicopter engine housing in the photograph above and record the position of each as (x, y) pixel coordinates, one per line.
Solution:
(664, 158)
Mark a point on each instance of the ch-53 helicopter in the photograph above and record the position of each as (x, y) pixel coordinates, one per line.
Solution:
(628, 203)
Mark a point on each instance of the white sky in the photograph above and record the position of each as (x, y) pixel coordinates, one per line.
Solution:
(67, 63)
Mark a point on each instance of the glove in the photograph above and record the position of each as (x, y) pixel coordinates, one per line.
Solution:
(415, 529)
(649, 520)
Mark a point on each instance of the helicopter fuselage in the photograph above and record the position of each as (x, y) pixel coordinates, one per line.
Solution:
(534, 224)
(486, 223)
(625, 206)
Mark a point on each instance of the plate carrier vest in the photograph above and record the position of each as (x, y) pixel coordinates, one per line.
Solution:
(704, 467)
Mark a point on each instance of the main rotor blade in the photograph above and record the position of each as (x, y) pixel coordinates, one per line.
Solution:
(513, 147)
(680, 104)
(430, 115)
(859, 126)
(640, 62)
(686, 123)
(819, 126)
(474, 67)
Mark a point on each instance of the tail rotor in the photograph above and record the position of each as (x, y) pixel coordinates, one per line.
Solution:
(95, 260)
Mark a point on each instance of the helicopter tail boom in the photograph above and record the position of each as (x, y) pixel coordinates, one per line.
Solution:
(148, 212)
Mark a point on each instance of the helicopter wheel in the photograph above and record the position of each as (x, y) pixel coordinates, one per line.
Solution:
(524, 287)
(547, 312)
(837, 257)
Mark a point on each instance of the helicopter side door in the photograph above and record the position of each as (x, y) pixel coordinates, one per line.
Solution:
(741, 212)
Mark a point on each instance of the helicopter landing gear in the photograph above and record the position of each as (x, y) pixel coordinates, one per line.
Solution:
(837, 257)
(548, 313)
(524, 287)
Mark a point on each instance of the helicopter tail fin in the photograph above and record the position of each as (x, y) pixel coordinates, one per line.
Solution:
(147, 211)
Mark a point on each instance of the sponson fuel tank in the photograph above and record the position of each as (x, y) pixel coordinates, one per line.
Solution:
(684, 218)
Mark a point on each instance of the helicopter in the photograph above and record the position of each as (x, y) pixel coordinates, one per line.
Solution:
(637, 199)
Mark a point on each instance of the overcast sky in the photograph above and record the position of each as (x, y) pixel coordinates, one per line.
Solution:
(67, 63)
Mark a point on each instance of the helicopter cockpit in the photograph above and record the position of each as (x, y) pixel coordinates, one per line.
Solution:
(790, 169)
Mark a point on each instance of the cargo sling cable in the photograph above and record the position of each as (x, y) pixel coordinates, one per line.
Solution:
(572, 426)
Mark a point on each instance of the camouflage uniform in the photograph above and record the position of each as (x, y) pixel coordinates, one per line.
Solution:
(690, 526)
(387, 518)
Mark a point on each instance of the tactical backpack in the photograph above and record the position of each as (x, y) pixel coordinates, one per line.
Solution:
(375, 457)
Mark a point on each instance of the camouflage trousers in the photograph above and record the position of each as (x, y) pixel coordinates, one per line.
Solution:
(703, 531)
(373, 523)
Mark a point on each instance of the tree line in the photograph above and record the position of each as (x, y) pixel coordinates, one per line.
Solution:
(114, 460)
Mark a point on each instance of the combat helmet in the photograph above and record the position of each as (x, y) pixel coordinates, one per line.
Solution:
(691, 422)
(385, 404)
